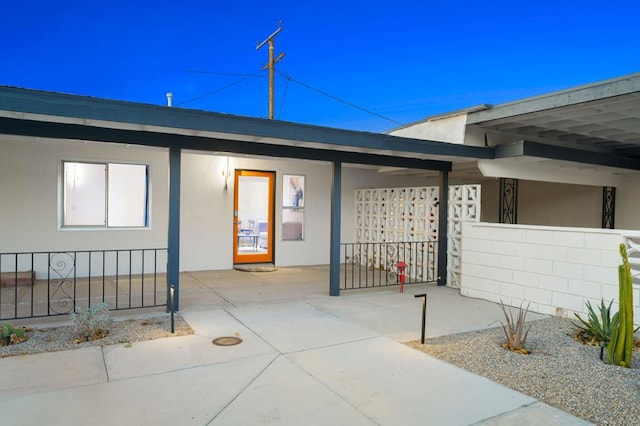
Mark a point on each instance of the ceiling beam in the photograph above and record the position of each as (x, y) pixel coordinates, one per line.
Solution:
(43, 129)
(535, 149)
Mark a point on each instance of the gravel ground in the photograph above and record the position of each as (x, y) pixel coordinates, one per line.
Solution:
(51, 339)
(559, 371)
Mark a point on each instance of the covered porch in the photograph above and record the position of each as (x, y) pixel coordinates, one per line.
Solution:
(47, 119)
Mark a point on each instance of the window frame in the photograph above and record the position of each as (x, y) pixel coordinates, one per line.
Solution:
(105, 226)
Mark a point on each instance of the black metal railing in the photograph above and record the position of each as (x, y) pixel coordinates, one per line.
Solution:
(40, 284)
(375, 264)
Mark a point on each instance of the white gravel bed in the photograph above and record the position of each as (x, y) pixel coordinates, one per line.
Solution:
(559, 371)
(51, 339)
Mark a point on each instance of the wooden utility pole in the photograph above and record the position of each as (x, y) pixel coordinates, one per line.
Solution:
(271, 66)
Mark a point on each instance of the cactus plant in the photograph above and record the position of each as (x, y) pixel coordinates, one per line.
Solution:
(597, 329)
(619, 350)
(11, 334)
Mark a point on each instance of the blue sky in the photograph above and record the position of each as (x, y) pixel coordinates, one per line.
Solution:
(403, 60)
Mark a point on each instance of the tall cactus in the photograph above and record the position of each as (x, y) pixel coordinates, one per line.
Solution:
(620, 346)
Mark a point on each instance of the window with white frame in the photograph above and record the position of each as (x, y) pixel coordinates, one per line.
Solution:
(111, 195)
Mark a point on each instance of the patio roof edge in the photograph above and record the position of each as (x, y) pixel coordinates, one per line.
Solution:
(52, 104)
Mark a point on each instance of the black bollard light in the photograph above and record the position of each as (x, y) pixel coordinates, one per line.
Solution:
(424, 313)
(172, 290)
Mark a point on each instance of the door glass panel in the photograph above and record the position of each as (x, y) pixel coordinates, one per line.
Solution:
(252, 221)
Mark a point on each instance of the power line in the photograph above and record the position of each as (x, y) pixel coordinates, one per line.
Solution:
(246, 77)
(289, 78)
(284, 96)
(227, 74)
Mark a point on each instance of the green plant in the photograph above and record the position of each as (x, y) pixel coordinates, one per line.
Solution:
(11, 334)
(619, 350)
(514, 329)
(92, 322)
(598, 328)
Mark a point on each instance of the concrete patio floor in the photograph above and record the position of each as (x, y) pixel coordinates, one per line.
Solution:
(306, 358)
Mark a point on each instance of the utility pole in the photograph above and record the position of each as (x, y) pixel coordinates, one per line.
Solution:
(271, 65)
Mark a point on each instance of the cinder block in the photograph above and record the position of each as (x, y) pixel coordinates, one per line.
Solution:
(467, 243)
(568, 239)
(538, 295)
(553, 283)
(585, 288)
(611, 257)
(500, 274)
(468, 230)
(601, 240)
(539, 266)
(541, 251)
(514, 235)
(512, 290)
(584, 256)
(489, 232)
(480, 284)
(483, 246)
(507, 248)
(538, 236)
(515, 263)
(488, 259)
(528, 279)
(481, 271)
(601, 274)
(568, 270)
(568, 301)
(610, 292)
(545, 309)
(468, 257)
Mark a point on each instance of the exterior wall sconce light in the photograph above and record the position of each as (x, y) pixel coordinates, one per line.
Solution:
(225, 174)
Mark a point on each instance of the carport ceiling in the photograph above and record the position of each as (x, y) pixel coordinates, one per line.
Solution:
(603, 117)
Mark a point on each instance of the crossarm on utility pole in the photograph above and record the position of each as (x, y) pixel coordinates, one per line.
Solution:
(271, 66)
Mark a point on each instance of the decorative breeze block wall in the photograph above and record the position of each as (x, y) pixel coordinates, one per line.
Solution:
(411, 214)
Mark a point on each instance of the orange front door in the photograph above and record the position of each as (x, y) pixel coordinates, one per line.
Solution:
(253, 210)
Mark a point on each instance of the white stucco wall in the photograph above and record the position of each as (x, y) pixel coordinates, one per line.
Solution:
(555, 269)
(30, 196)
(30, 179)
(206, 221)
(628, 204)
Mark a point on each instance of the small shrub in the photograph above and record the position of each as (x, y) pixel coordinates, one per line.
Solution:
(12, 335)
(597, 329)
(514, 329)
(92, 323)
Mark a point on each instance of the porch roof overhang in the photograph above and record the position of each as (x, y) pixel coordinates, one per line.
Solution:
(41, 114)
(597, 125)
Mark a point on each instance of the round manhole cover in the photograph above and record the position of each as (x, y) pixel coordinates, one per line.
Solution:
(227, 341)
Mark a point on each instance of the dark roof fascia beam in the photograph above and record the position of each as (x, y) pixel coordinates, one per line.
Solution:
(535, 149)
(200, 143)
(88, 108)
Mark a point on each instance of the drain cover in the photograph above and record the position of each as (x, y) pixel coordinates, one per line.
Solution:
(227, 341)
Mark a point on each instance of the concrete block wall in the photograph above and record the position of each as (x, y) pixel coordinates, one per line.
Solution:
(555, 269)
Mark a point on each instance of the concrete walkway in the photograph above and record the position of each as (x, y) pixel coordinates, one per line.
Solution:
(306, 359)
